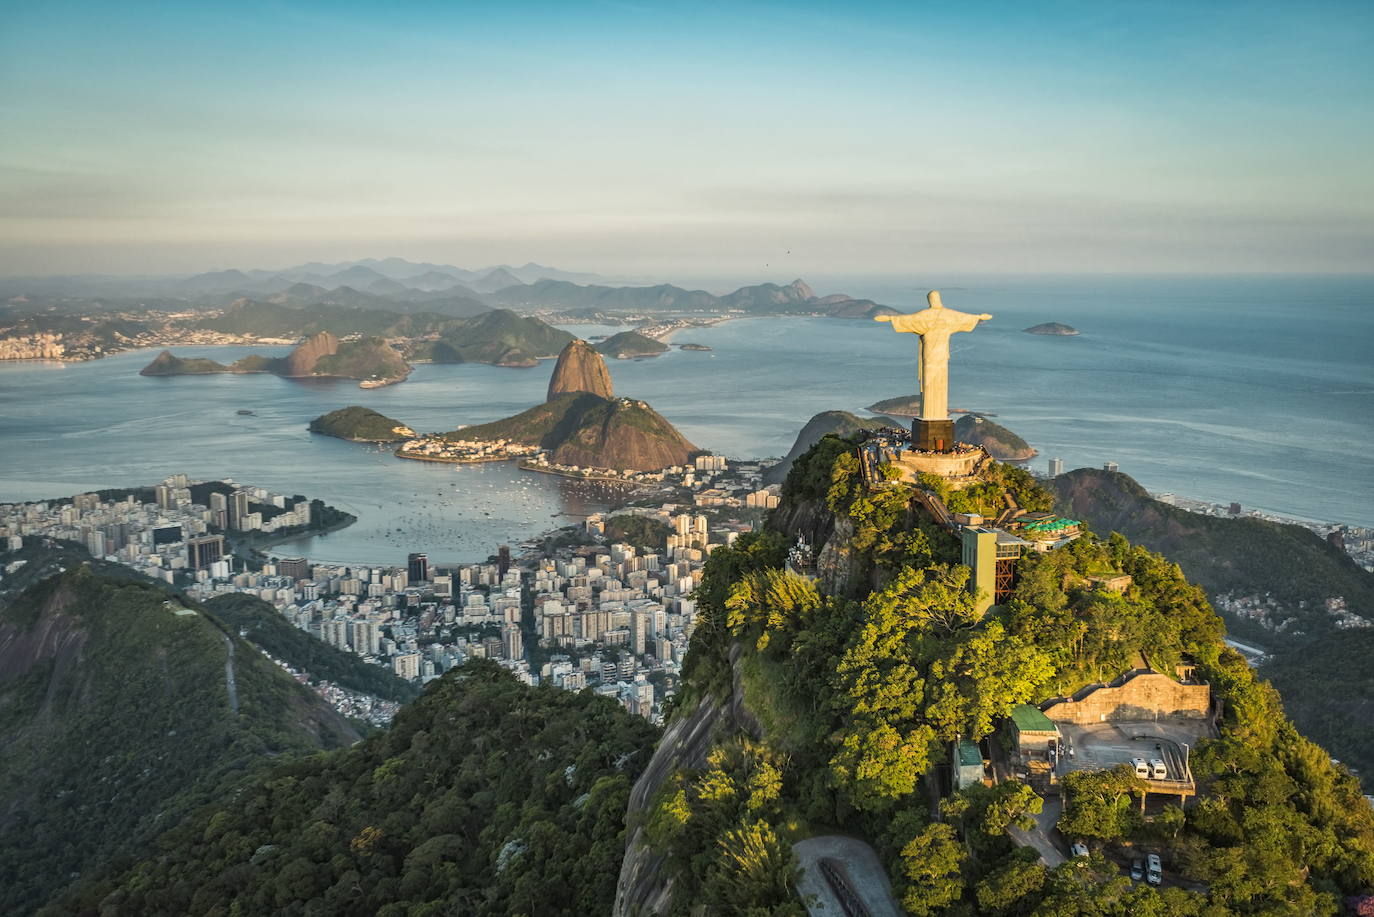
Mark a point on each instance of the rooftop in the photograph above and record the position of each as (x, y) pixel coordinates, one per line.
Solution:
(1030, 719)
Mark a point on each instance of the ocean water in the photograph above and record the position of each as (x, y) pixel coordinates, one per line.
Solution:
(1254, 390)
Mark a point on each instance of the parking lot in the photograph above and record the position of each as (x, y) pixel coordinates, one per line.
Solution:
(1102, 746)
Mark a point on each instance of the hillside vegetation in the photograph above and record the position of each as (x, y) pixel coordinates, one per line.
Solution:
(1243, 555)
(362, 425)
(631, 344)
(860, 680)
(485, 797)
(116, 720)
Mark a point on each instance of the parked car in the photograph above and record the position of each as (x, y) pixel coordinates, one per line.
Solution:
(1158, 770)
(1080, 849)
(1155, 869)
(1137, 870)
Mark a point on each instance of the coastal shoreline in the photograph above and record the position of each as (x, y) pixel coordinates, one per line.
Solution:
(444, 460)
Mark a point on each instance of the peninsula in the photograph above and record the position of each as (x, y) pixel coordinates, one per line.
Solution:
(581, 429)
(322, 355)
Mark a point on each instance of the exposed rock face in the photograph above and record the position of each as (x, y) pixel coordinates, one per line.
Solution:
(580, 369)
(301, 361)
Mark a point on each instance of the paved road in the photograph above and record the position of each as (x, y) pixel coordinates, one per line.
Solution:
(1042, 836)
(862, 870)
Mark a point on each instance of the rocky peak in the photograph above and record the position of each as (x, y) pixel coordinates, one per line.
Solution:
(801, 289)
(580, 369)
(301, 361)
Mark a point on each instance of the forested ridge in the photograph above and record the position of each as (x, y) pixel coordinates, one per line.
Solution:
(860, 693)
(484, 797)
(115, 720)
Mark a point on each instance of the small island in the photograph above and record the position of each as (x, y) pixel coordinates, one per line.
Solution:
(361, 425)
(1056, 328)
(692, 347)
(629, 344)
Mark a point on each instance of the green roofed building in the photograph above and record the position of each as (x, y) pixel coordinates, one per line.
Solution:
(968, 764)
(1032, 732)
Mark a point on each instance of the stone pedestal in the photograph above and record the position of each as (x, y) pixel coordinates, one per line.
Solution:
(933, 435)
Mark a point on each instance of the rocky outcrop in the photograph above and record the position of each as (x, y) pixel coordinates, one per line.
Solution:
(580, 369)
(642, 889)
(302, 360)
(1001, 443)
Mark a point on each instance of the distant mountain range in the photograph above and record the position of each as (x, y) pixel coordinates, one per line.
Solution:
(382, 277)
(397, 285)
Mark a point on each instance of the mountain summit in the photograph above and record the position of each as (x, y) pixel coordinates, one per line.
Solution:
(580, 369)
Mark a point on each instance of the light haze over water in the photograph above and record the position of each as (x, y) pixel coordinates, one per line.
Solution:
(1257, 390)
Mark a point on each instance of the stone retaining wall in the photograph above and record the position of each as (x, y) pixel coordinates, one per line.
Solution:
(1147, 696)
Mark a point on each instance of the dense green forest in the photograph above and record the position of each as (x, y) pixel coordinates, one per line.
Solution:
(641, 531)
(261, 624)
(484, 797)
(860, 693)
(116, 719)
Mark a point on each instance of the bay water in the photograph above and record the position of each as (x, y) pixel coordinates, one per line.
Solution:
(1250, 389)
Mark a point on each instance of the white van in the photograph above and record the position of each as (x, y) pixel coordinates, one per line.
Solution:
(1158, 770)
(1141, 768)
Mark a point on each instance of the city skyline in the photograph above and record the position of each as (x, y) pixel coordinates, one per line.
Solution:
(673, 141)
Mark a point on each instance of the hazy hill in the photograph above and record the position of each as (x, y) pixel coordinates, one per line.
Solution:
(485, 797)
(561, 294)
(498, 279)
(1246, 556)
(840, 423)
(499, 336)
(1001, 443)
(628, 344)
(764, 298)
(117, 718)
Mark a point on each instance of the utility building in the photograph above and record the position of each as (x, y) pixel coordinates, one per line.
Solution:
(991, 554)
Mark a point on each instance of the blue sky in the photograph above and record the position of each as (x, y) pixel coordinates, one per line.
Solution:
(682, 140)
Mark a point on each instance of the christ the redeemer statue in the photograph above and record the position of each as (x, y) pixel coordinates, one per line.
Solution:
(934, 431)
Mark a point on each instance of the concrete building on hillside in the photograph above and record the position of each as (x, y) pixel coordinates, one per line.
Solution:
(992, 555)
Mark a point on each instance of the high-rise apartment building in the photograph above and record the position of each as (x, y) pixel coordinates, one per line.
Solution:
(417, 568)
(298, 568)
(203, 551)
(1056, 467)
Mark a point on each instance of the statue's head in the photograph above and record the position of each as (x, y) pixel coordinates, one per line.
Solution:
(933, 298)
